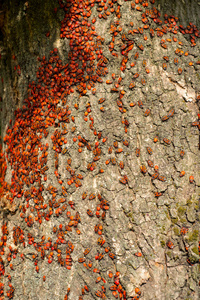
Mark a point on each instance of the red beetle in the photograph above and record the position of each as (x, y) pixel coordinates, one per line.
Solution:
(90, 213)
(170, 245)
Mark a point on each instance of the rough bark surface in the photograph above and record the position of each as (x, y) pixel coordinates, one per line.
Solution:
(149, 208)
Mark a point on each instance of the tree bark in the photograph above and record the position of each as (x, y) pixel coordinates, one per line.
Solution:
(103, 156)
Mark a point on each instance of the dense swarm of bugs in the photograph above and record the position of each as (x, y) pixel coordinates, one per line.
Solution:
(47, 113)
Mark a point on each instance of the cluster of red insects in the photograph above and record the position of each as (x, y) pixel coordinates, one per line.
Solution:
(47, 107)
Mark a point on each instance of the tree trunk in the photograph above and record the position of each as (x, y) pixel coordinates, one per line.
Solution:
(100, 175)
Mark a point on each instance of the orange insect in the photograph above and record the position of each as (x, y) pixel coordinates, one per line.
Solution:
(90, 213)
(86, 288)
(119, 150)
(98, 279)
(132, 104)
(166, 58)
(107, 249)
(121, 164)
(184, 230)
(165, 118)
(182, 153)
(124, 180)
(157, 194)
(137, 291)
(147, 112)
(154, 176)
(113, 161)
(138, 254)
(164, 66)
(99, 294)
(171, 113)
(168, 142)
(161, 178)
(155, 139)
(112, 255)
(92, 196)
(84, 195)
(147, 70)
(176, 61)
(141, 47)
(180, 70)
(101, 255)
(151, 32)
(140, 104)
(115, 144)
(143, 169)
(115, 294)
(170, 245)
(107, 161)
(182, 173)
(150, 163)
(110, 274)
(191, 179)
(149, 150)
(113, 287)
(156, 168)
(136, 75)
(131, 85)
(137, 152)
(126, 143)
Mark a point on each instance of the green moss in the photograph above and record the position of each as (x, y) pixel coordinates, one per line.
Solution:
(195, 250)
(174, 220)
(167, 214)
(162, 244)
(192, 200)
(193, 236)
(176, 231)
(183, 220)
(169, 254)
(198, 76)
(130, 215)
(193, 259)
(181, 211)
(189, 202)
(163, 228)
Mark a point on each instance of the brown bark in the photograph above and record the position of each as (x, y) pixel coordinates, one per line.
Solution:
(154, 238)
